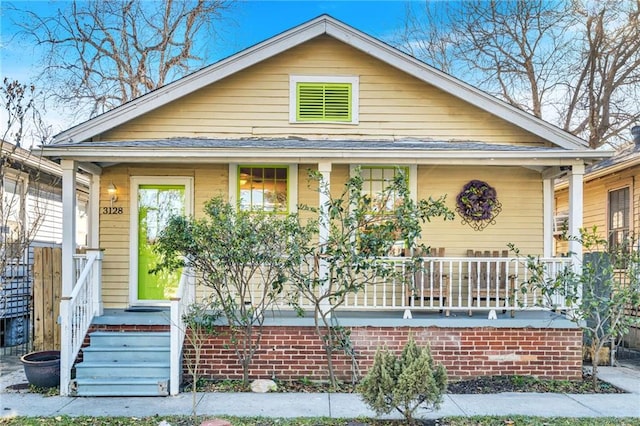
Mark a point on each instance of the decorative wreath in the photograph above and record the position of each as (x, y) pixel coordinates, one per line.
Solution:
(478, 205)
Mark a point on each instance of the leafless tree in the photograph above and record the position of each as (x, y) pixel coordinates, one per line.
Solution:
(19, 176)
(103, 53)
(573, 63)
(603, 101)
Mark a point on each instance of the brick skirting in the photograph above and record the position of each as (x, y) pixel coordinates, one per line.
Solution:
(294, 352)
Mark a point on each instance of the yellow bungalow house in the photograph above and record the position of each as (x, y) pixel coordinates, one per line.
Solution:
(247, 127)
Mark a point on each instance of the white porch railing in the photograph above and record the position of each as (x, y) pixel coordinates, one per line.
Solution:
(457, 283)
(79, 262)
(185, 296)
(77, 310)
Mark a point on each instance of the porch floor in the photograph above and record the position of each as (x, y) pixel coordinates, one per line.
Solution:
(523, 319)
(156, 316)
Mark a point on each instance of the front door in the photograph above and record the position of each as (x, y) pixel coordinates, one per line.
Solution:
(156, 201)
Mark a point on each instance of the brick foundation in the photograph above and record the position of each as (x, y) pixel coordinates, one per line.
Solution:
(293, 352)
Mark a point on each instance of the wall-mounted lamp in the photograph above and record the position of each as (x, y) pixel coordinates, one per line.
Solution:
(112, 190)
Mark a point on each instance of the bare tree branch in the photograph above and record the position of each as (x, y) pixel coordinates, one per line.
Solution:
(103, 53)
(570, 62)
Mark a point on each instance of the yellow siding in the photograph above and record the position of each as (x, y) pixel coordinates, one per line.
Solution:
(520, 222)
(255, 103)
(519, 190)
(596, 201)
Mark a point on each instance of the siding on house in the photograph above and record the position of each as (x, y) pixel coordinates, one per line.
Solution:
(596, 201)
(255, 103)
(519, 191)
(44, 203)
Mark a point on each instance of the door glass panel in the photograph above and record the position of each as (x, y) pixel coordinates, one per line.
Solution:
(156, 205)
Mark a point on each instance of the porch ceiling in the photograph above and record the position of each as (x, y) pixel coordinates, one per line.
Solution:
(404, 151)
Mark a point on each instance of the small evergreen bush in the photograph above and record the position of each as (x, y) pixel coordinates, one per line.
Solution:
(404, 383)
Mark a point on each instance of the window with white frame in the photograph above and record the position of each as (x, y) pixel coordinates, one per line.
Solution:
(263, 188)
(375, 179)
(619, 207)
(316, 99)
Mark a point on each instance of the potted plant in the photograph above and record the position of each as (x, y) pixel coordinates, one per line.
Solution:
(42, 368)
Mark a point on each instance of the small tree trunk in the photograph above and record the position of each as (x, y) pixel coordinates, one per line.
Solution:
(245, 371)
(328, 349)
(595, 360)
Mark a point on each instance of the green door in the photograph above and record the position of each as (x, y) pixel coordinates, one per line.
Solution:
(156, 204)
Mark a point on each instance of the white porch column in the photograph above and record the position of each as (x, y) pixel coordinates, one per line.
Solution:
(576, 178)
(68, 268)
(93, 237)
(324, 199)
(68, 224)
(548, 211)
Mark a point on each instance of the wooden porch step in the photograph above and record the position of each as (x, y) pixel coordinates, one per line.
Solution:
(122, 386)
(124, 364)
(130, 339)
(126, 354)
(121, 369)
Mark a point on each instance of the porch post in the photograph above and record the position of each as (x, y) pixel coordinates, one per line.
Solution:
(576, 190)
(548, 209)
(93, 239)
(68, 269)
(68, 224)
(324, 169)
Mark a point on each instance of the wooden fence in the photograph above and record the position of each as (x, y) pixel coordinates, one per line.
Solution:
(47, 289)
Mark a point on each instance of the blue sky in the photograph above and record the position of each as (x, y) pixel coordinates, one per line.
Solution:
(249, 22)
(258, 20)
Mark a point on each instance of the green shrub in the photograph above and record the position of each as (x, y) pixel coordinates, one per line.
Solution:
(404, 383)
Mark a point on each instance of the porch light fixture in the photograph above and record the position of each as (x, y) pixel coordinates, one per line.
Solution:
(112, 190)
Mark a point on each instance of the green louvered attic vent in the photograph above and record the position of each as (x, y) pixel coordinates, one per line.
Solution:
(323, 102)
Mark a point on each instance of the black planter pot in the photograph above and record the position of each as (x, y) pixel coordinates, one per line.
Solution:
(42, 368)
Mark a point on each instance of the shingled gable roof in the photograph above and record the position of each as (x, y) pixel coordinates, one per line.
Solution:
(321, 25)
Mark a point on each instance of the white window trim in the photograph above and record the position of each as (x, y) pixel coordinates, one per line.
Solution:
(292, 184)
(355, 95)
(136, 181)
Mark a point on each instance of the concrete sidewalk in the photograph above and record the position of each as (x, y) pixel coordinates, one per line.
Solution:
(337, 405)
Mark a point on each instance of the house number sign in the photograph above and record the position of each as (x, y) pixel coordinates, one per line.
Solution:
(112, 210)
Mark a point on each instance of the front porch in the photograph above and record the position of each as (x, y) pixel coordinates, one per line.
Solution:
(500, 331)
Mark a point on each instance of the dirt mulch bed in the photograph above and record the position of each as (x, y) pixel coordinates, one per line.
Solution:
(497, 384)
(479, 385)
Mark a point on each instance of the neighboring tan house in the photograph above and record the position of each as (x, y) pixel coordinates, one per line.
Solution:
(30, 216)
(327, 97)
(611, 204)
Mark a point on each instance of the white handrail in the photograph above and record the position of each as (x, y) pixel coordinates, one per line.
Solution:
(77, 311)
(185, 296)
